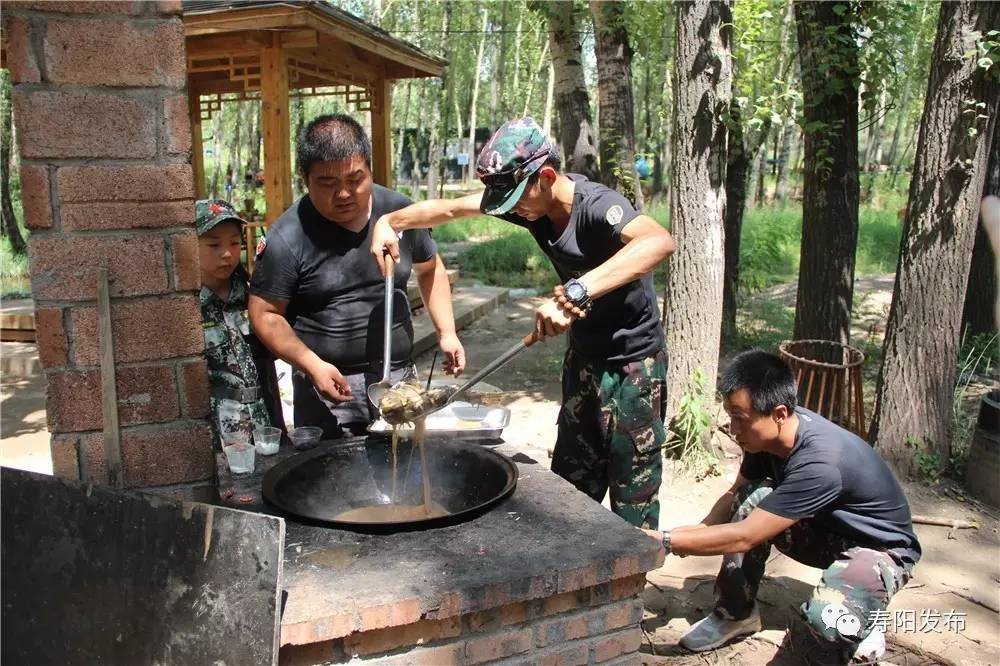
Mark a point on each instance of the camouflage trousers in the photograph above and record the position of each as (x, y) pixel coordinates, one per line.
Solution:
(234, 421)
(611, 432)
(856, 582)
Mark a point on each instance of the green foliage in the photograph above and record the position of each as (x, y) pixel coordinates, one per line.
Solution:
(513, 260)
(927, 461)
(690, 429)
(978, 357)
(14, 281)
(473, 228)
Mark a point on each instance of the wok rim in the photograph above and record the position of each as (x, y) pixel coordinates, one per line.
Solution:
(285, 467)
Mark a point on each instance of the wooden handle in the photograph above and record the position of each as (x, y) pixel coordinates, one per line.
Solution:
(530, 339)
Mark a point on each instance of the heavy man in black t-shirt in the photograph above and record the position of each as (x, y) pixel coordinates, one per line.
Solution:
(614, 376)
(822, 496)
(317, 300)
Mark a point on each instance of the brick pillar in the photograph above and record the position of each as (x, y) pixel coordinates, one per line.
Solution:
(101, 110)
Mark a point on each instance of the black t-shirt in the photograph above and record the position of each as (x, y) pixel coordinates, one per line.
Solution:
(835, 478)
(334, 291)
(624, 325)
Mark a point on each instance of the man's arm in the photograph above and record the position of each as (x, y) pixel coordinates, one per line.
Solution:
(267, 317)
(436, 292)
(738, 537)
(422, 215)
(647, 245)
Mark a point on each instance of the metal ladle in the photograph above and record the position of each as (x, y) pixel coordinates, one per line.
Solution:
(377, 390)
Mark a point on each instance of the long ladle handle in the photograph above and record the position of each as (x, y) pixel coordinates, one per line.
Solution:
(496, 364)
(390, 277)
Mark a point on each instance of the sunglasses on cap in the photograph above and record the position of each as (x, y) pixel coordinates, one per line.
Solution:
(510, 179)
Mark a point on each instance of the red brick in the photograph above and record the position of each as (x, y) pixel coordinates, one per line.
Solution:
(51, 337)
(84, 124)
(627, 587)
(21, 60)
(390, 615)
(626, 565)
(163, 454)
(577, 579)
(313, 631)
(186, 264)
(497, 646)
(443, 655)
(146, 394)
(87, 184)
(574, 656)
(65, 267)
(115, 53)
(513, 614)
(562, 629)
(194, 389)
(146, 329)
(79, 6)
(73, 401)
(615, 645)
(418, 633)
(105, 216)
(559, 603)
(35, 196)
(65, 462)
(176, 125)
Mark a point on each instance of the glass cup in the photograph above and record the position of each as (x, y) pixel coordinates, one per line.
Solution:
(266, 439)
(305, 437)
(240, 456)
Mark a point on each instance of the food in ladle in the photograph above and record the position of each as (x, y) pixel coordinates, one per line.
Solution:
(405, 402)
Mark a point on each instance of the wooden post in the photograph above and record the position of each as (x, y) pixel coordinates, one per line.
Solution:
(197, 149)
(274, 123)
(381, 110)
(109, 391)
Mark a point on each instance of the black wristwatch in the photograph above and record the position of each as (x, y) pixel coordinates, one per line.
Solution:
(666, 541)
(576, 293)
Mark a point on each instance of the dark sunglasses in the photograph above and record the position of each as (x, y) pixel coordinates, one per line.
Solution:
(510, 179)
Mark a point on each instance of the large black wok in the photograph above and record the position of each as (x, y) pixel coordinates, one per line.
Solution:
(317, 486)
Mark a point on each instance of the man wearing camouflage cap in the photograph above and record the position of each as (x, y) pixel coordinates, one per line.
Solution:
(239, 398)
(614, 375)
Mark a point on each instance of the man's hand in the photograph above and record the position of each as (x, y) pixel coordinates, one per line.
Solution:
(454, 354)
(330, 383)
(551, 320)
(384, 240)
(559, 294)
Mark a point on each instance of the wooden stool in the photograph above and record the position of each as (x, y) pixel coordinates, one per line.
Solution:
(828, 378)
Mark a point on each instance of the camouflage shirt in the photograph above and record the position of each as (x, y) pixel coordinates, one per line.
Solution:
(225, 325)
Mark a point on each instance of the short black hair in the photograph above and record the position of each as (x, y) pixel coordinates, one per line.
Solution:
(765, 376)
(554, 160)
(331, 138)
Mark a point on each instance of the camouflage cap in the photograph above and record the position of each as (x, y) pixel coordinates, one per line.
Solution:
(517, 150)
(209, 213)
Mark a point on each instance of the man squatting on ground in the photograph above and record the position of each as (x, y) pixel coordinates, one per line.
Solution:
(316, 297)
(614, 375)
(822, 496)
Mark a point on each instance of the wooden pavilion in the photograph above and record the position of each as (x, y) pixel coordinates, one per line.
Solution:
(274, 51)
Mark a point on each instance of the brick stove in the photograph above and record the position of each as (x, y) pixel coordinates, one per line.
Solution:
(547, 577)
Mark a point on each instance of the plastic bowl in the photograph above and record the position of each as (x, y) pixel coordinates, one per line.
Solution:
(267, 439)
(305, 437)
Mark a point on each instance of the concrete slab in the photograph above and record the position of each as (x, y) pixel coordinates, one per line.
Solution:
(19, 359)
(24, 439)
(469, 304)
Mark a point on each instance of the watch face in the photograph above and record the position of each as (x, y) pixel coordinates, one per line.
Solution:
(575, 291)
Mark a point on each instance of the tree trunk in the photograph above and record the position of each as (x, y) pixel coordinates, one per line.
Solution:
(702, 91)
(470, 168)
(436, 125)
(500, 64)
(549, 93)
(663, 128)
(914, 393)
(617, 115)
(9, 225)
(534, 78)
(828, 55)
(981, 289)
(216, 153)
(576, 125)
(401, 141)
(737, 162)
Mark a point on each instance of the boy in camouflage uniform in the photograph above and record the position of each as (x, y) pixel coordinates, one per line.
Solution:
(818, 493)
(237, 396)
(614, 375)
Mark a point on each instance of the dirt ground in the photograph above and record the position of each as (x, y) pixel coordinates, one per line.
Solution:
(958, 577)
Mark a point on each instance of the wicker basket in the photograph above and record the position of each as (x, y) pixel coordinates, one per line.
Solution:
(828, 377)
